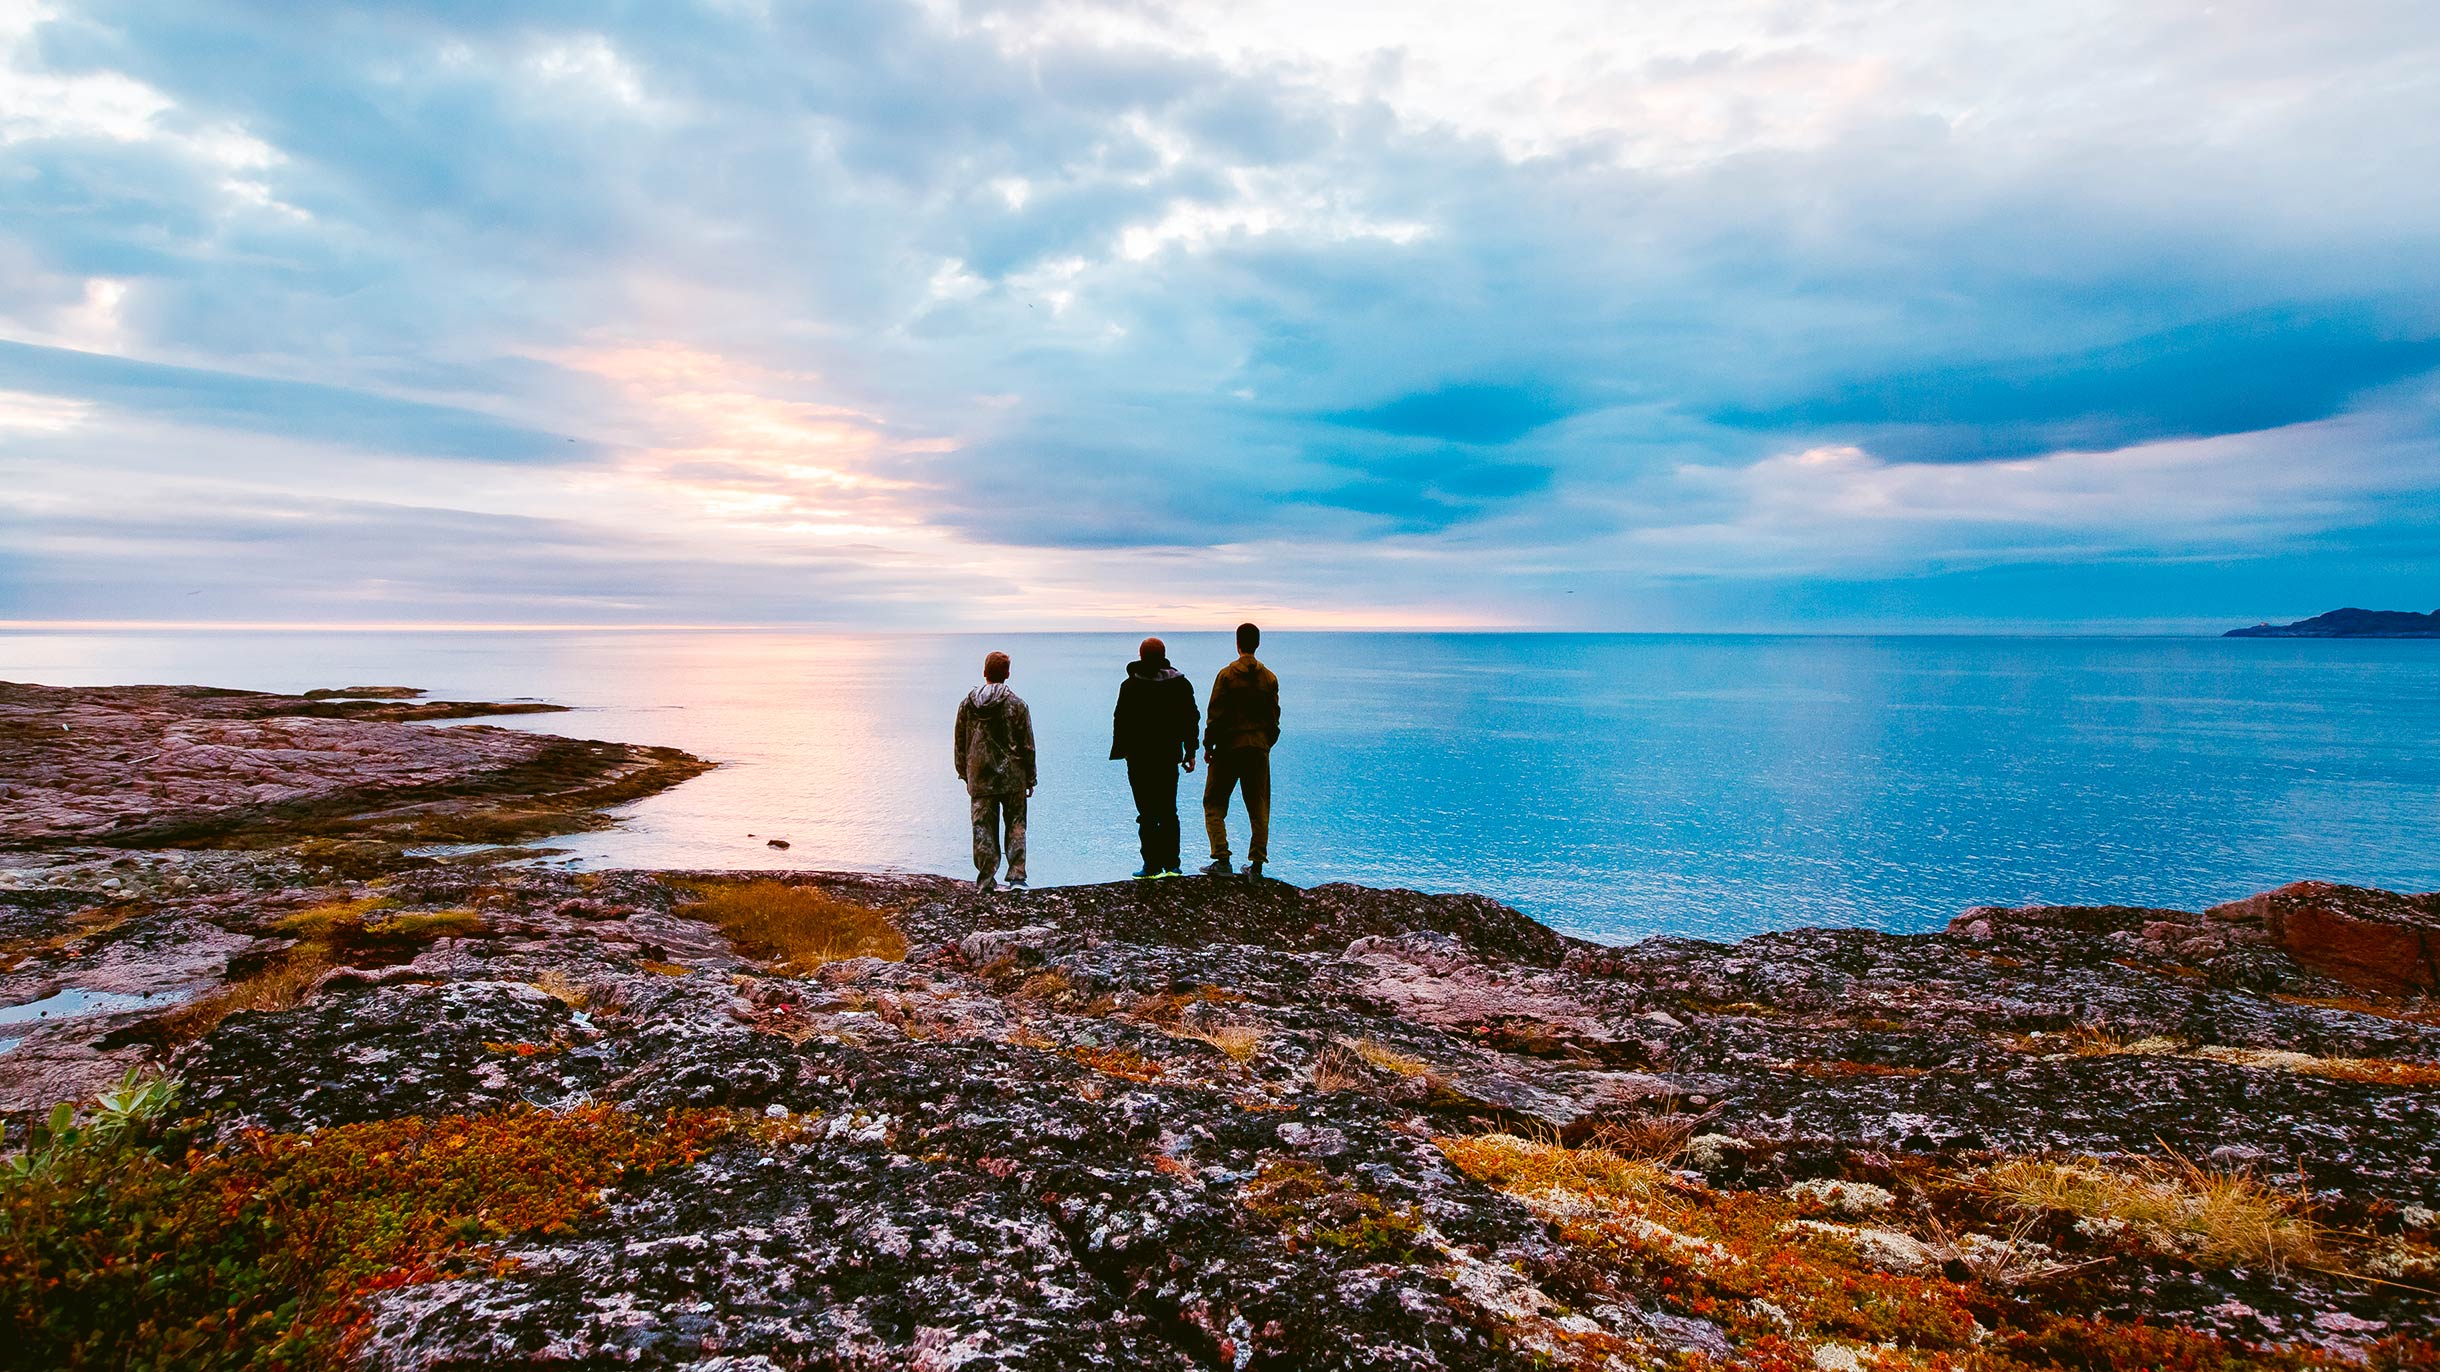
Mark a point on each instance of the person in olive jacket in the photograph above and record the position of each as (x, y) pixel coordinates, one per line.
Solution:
(1153, 731)
(1240, 726)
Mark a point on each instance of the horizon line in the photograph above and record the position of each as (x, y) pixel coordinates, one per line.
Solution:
(2100, 628)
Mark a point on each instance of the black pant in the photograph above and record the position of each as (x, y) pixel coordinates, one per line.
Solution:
(1155, 783)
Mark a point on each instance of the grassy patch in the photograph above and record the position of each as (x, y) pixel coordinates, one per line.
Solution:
(326, 936)
(793, 929)
(2221, 1217)
(1315, 1208)
(2374, 1071)
(130, 1246)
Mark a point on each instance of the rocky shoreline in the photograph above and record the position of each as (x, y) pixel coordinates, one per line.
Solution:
(487, 1112)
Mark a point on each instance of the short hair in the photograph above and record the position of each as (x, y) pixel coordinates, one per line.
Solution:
(1249, 637)
(995, 667)
(1152, 650)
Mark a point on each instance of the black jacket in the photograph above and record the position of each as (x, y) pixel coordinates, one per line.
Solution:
(1156, 715)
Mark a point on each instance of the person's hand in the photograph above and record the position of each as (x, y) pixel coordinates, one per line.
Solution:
(1187, 762)
(1029, 793)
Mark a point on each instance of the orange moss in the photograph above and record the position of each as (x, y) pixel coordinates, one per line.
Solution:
(1119, 1062)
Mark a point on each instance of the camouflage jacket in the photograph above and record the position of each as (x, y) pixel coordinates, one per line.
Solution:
(995, 742)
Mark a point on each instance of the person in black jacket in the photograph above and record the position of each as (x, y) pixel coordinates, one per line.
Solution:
(1153, 730)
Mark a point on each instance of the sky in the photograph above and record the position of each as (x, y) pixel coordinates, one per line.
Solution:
(1874, 315)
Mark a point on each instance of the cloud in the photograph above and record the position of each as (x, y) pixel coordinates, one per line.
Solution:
(1410, 309)
(328, 414)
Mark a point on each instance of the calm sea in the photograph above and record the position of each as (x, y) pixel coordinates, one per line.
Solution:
(1613, 786)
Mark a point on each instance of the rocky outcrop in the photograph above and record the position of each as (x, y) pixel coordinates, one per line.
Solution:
(2352, 937)
(154, 766)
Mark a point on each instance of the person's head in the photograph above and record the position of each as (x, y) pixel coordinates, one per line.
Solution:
(1152, 650)
(995, 667)
(1248, 638)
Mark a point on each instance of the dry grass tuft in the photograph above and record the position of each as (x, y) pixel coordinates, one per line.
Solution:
(2226, 1218)
(793, 929)
(563, 988)
(1240, 1041)
(1170, 1006)
(663, 969)
(1338, 1068)
(2101, 1041)
(1048, 985)
(2375, 1071)
(1386, 1058)
(1528, 1166)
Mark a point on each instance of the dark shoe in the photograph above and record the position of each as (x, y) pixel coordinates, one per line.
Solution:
(1018, 884)
(1253, 871)
(1218, 867)
(986, 885)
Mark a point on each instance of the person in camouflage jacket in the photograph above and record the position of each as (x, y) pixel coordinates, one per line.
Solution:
(995, 758)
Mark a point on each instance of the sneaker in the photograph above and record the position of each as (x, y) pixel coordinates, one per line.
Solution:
(1018, 884)
(1146, 872)
(1253, 871)
(1218, 867)
(1169, 872)
(986, 885)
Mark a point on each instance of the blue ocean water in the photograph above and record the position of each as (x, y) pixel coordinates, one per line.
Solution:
(1615, 786)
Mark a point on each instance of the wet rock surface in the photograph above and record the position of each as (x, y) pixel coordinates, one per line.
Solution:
(1208, 1122)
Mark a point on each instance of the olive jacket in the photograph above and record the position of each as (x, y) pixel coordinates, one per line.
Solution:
(1244, 708)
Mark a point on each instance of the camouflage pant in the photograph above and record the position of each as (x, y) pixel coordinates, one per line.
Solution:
(992, 814)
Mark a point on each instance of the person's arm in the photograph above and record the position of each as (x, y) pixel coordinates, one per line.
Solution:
(1215, 715)
(1118, 722)
(1270, 725)
(1025, 743)
(965, 733)
(1190, 721)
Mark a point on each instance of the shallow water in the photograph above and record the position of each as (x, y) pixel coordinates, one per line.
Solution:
(68, 1004)
(1613, 785)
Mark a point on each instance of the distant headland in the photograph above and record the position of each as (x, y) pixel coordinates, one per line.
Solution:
(2350, 623)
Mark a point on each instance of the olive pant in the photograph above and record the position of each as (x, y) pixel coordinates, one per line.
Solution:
(993, 816)
(1233, 768)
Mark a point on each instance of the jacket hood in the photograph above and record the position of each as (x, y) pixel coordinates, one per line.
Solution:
(991, 695)
(1152, 671)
